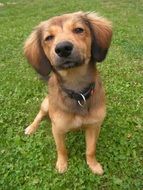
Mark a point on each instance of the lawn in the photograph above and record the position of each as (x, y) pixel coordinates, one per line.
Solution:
(27, 163)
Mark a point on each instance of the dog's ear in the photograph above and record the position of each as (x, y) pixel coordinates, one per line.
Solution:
(34, 52)
(101, 32)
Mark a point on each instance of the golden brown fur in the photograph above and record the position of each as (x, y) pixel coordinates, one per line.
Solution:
(90, 36)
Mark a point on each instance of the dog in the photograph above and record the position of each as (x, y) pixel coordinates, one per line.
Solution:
(64, 50)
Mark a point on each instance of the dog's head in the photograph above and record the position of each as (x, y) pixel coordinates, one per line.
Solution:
(68, 41)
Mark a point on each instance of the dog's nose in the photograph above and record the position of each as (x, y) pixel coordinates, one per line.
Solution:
(64, 49)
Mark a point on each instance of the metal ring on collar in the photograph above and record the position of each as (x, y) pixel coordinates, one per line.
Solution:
(84, 101)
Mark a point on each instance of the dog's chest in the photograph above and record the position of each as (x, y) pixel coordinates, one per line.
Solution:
(83, 121)
(66, 121)
(77, 122)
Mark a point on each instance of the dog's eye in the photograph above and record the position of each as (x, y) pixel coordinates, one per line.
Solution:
(49, 38)
(78, 30)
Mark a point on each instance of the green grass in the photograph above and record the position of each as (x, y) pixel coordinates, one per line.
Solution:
(27, 163)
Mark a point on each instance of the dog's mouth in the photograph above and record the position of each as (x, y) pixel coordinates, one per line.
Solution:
(68, 65)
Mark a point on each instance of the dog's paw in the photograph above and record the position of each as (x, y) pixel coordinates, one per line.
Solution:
(61, 166)
(30, 129)
(96, 168)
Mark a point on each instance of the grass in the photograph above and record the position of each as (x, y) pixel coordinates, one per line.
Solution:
(27, 163)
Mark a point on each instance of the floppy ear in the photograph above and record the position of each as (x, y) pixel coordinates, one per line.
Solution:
(101, 32)
(34, 52)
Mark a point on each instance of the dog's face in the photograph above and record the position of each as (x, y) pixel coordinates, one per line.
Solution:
(68, 41)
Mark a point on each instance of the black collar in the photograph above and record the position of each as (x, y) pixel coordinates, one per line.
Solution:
(82, 95)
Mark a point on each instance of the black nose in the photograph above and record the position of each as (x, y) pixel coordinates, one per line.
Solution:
(64, 49)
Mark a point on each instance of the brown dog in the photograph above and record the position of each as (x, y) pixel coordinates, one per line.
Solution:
(68, 47)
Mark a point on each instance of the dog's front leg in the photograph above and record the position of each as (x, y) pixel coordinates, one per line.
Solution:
(59, 136)
(42, 113)
(92, 133)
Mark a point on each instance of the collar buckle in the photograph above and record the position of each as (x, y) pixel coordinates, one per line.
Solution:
(84, 100)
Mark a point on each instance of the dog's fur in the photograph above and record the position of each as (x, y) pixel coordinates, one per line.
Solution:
(90, 36)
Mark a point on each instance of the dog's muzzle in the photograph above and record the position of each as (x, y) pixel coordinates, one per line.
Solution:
(67, 56)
